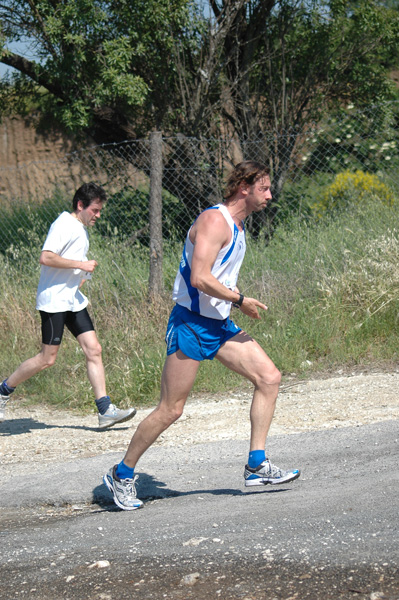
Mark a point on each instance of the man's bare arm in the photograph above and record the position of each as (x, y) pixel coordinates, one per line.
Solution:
(51, 259)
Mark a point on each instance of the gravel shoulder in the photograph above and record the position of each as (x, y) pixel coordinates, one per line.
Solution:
(37, 436)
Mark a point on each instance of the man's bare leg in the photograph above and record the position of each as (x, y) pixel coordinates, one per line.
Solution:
(108, 414)
(245, 356)
(94, 363)
(30, 367)
(177, 380)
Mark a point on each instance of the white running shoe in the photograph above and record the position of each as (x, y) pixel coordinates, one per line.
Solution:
(123, 490)
(266, 473)
(115, 415)
(3, 402)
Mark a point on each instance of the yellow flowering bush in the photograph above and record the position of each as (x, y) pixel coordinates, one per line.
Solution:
(349, 189)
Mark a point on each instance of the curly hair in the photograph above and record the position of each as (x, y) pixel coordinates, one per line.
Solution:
(248, 171)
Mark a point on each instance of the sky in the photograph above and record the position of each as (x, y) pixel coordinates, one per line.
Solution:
(4, 69)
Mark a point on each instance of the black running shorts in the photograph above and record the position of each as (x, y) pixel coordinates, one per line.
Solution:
(53, 325)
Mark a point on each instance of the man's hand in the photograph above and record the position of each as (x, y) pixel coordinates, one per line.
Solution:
(89, 266)
(250, 307)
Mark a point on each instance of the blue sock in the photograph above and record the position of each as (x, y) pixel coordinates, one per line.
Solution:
(256, 457)
(124, 472)
(103, 404)
(5, 389)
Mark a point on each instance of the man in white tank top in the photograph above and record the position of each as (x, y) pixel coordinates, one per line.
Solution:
(199, 328)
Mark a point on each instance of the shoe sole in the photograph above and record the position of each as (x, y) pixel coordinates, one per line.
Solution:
(270, 481)
(111, 489)
(108, 425)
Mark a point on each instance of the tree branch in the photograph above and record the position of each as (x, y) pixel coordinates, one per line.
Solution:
(216, 10)
(33, 70)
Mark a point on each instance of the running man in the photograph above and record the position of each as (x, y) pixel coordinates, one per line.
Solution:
(64, 268)
(199, 328)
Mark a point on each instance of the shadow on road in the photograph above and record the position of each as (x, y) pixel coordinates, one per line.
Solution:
(149, 489)
(20, 426)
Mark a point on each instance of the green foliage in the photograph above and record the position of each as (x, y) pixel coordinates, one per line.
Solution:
(17, 96)
(126, 216)
(118, 70)
(164, 63)
(299, 197)
(361, 139)
(95, 56)
(365, 141)
(25, 226)
(311, 61)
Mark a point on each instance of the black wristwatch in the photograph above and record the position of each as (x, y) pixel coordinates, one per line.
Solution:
(239, 301)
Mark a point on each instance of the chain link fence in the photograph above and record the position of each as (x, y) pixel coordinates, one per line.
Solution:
(157, 186)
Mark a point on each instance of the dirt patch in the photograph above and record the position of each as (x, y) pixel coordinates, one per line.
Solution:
(37, 160)
(36, 436)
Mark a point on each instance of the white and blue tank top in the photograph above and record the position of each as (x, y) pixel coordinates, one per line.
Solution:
(225, 269)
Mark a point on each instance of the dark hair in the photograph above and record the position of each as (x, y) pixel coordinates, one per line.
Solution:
(248, 171)
(87, 193)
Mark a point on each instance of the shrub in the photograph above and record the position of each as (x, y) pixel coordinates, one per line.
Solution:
(126, 216)
(25, 225)
(352, 189)
(299, 196)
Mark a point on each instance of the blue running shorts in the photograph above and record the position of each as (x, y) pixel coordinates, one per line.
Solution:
(196, 336)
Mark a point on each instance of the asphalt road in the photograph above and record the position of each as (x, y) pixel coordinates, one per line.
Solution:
(332, 534)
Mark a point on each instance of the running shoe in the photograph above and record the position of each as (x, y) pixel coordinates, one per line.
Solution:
(3, 402)
(266, 473)
(115, 415)
(123, 490)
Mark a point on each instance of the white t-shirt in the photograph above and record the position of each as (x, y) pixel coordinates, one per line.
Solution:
(225, 268)
(58, 289)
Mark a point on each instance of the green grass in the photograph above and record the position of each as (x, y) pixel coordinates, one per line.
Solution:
(325, 295)
(331, 291)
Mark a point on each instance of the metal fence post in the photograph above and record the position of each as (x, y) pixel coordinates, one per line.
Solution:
(155, 286)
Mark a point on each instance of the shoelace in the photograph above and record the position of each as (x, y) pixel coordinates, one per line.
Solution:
(129, 486)
(275, 471)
